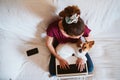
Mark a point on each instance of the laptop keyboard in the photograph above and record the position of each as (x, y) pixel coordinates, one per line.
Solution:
(73, 69)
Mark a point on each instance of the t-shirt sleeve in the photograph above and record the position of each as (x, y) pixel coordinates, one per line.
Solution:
(86, 32)
(50, 30)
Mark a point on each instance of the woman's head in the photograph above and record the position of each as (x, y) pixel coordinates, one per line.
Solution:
(73, 25)
(74, 29)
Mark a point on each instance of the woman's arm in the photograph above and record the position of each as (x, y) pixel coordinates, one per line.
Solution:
(50, 46)
(63, 63)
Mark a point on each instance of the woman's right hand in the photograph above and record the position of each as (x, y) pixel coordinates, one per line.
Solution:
(63, 63)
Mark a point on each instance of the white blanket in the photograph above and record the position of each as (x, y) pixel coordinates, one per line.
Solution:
(22, 22)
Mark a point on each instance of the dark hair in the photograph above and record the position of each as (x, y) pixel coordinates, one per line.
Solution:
(75, 29)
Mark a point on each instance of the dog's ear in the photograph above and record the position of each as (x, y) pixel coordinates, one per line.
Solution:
(62, 14)
(79, 42)
(91, 43)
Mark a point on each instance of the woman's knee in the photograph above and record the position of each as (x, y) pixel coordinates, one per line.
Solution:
(90, 69)
(52, 68)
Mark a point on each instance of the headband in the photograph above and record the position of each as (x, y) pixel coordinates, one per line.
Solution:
(72, 19)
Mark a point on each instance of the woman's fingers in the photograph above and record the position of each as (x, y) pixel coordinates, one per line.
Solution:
(64, 65)
(67, 65)
(82, 67)
(80, 64)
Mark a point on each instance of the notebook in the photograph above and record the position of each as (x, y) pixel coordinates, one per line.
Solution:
(73, 68)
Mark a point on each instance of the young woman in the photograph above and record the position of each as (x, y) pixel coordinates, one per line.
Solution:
(68, 29)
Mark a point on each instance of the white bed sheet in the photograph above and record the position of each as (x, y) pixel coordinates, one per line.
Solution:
(22, 22)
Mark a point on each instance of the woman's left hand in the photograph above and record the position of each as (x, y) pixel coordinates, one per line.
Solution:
(80, 63)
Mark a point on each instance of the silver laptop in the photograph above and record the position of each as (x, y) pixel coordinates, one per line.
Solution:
(73, 71)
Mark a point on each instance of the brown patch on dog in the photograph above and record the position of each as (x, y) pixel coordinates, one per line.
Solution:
(87, 45)
(79, 42)
(91, 43)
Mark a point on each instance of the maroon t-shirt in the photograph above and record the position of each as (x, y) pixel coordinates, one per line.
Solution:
(53, 30)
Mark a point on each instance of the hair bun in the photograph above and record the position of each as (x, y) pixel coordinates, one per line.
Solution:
(69, 11)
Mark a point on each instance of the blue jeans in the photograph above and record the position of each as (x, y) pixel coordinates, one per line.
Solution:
(52, 68)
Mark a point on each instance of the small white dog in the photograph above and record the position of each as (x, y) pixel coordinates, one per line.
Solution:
(79, 50)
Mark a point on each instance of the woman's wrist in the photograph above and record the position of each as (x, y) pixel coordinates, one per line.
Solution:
(58, 56)
(80, 59)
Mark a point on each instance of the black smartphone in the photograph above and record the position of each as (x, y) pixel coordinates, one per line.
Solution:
(32, 51)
